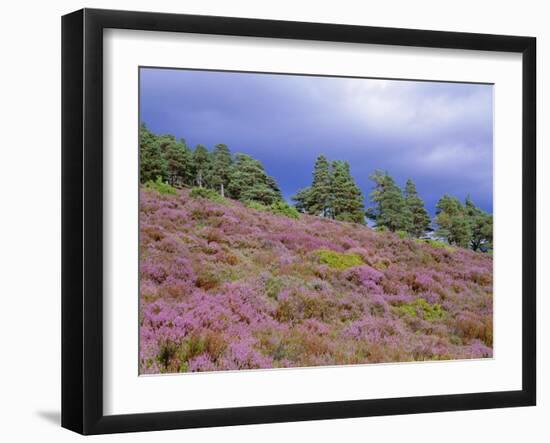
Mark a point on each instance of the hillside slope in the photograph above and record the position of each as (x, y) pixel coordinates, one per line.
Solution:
(223, 286)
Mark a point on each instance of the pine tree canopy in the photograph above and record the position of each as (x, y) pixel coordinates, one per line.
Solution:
(242, 178)
(178, 159)
(249, 181)
(481, 225)
(321, 188)
(201, 165)
(452, 220)
(333, 193)
(152, 163)
(303, 200)
(390, 210)
(420, 219)
(347, 198)
(220, 168)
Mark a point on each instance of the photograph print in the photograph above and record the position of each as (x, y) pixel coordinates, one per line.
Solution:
(291, 221)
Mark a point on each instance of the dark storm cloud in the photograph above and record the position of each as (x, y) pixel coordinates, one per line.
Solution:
(438, 134)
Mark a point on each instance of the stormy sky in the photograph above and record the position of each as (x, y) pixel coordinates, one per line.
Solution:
(439, 134)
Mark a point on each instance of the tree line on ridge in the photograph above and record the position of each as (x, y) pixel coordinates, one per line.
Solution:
(333, 192)
(240, 177)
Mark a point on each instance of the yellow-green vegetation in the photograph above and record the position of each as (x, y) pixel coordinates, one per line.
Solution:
(338, 260)
(273, 286)
(208, 194)
(283, 208)
(160, 187)
(436, 244)
(194, 345)
(277, 208)
(381, 265)
(252, 204)
(428, 311)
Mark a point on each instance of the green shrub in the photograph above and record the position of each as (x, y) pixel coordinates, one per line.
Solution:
(283, 208)
(402, 234)
(381, 229)
(406, 309)
(338, 260)
(273, 286)
(210, 343)
(252, 204)
(436, 244)
(167, 352)
(208, 279)
(382, 265)
(161, 187)
(277, 208)
(208, 194)
(428, 311)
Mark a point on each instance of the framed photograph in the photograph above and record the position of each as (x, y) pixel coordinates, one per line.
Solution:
(268, 221)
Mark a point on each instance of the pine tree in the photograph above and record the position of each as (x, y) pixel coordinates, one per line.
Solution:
(333, 193)
(274, 186)
(151, 162)
(454, 225)
(390, 210)
(220, 170)
(482, 232)
(481, 224)
(303, 200)
(375, 212)
(248, 181)
(320, 197)
(178, 160)
(346, 199)
(420, 219)
(201, 165)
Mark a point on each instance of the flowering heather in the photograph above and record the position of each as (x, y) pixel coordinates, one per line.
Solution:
(225, 287)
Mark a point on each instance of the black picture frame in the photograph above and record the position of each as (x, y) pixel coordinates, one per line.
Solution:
(82, 218)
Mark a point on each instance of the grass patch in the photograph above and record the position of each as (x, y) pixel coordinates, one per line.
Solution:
(420, 306)
(339, 260)
(382, 265)
(252, 204)
(277, 208)
(435, 244)
(283, 208)
(161, 187)
(273, 286)
(208, 194)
